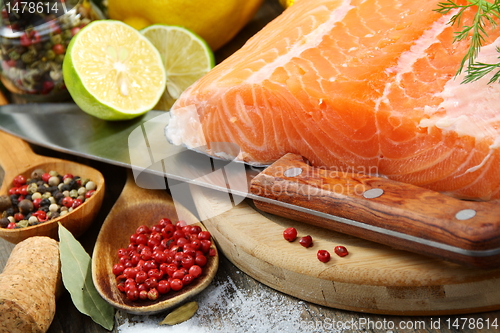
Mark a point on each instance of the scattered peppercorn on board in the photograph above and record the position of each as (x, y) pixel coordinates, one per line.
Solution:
(372, 278)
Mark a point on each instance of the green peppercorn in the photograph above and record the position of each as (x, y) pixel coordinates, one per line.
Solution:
(51, 55)
(56, 39)
(22, 224)
(28, 57)
(59, 58)
(67, 34)
(47, 45)
(14, 55)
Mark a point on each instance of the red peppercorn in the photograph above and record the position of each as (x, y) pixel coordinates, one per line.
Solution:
(36, 203)
(46, 176)
(141, 277)
(11, 225)
(47, 87)
(133, 294)
(77, 203)
(204, 235)
(67, 201)
(89, 194)
(187, 279)
(23, 190)
(306, 241)
(118, 269)
(143, 229)
(187, 262)
(75, 30)
(68, 175)
(176, 284)
(18, 216)
(58, 49)
(195, 271)
(341, 251)
(205, 245)
(19, 180)
(41, 215)
(290, 234)
(163, 287)
(29, 38)
(323, 256)
(200, 260)
(143, 294)
(151, 282)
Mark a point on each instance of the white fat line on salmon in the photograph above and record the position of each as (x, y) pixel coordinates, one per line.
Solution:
(312, 40)
(417, 51)
(470, 109)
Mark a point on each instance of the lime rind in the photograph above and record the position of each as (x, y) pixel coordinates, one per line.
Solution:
(78, 85)
(186, 57)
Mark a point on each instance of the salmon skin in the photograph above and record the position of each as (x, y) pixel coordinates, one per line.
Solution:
(364, 86)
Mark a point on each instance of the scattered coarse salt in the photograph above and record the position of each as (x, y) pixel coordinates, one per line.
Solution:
(224, 307)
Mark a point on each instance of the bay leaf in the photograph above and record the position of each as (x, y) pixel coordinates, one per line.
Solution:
(76, 270)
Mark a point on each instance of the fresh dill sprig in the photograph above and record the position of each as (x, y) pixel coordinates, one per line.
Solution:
(486, 15)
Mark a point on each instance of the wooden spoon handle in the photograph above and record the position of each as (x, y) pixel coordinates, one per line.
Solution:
(388, 212)
(16, 155)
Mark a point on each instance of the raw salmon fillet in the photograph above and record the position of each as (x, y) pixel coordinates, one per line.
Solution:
(363, 86)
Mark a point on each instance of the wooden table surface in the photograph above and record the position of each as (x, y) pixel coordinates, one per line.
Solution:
(261, 309)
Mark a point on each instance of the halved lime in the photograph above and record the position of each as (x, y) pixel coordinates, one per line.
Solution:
(112, 71)
(186, 56)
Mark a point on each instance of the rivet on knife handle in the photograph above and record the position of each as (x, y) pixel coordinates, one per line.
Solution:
(426, 221)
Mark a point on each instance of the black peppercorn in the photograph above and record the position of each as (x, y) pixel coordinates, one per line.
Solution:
(5, 203)
(10, 211)
(4, 222)
(14, 200)
(45, 202)
(44, 208)
(25, 206)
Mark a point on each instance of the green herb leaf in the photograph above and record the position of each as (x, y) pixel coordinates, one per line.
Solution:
(76, 269)
(485, 16)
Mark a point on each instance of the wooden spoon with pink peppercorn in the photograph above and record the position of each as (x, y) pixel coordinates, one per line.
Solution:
(135, 207)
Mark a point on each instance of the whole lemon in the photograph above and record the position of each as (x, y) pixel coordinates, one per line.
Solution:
(217, 22)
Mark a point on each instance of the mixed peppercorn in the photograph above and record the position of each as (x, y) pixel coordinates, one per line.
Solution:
(32, 55)
(43, 197)
(290, 234)
(164, 257)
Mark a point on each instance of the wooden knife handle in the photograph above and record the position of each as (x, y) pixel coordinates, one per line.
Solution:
(388, 212)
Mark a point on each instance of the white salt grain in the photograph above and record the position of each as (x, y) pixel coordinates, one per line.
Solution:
(225, 308)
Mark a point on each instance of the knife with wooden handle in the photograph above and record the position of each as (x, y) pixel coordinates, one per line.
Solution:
(388, 212)
(393, 213)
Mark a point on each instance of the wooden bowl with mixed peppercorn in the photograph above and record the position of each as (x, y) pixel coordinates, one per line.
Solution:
(38, 193)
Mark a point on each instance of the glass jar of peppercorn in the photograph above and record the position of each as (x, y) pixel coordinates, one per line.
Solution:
(34, 36)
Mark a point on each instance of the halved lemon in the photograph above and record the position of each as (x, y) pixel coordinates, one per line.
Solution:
(186, 57)
(113, 72)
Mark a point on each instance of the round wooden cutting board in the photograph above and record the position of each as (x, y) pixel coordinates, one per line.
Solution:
(373, 278)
